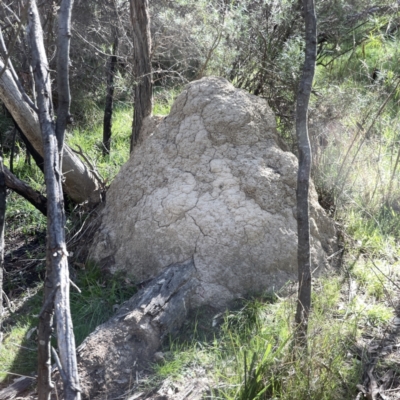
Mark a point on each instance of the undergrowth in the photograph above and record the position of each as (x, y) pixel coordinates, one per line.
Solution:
(97, 302)
(354, 125)
(252, 354)
(248, 352)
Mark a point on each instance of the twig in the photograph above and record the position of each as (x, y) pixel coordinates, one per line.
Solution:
(89, 162)
(22, 376)
(8, 53)
(74, 286)
(9, 304)
(58, 362)
(393, 174)
(81, 228)
(15, 76)
(386, 276)
(91, 44)
(22, 347)
(373, 385)
(334, 254)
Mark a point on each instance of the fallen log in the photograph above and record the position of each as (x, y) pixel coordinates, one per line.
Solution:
(111, 358)
(19, 386)
(80, 183)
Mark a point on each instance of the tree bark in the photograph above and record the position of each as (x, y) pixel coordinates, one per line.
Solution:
(57, 274)
(23, 189)
(108, 109)
(140, 19)
(303, 177)
(137, 331)
(80, 184)
(63, 91)
(3, 194)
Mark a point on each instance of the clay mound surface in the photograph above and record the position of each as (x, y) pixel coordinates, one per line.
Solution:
(214, 184)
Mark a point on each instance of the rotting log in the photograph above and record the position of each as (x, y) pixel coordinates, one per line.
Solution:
(79, 182)
(19, 386)
(111, 357)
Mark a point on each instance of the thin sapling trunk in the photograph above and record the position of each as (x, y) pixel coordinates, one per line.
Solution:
(140, 18)
(108, 109)
(57, 274)
(303, 177)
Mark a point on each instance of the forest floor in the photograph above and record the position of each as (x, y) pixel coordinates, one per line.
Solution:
(375, 348)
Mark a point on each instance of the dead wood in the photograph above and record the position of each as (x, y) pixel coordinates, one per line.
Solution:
(112, 357)
(19, 386)
(23, 189)
(57, 273)
(304, 171)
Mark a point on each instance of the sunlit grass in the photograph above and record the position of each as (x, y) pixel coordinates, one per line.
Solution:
(252, 354)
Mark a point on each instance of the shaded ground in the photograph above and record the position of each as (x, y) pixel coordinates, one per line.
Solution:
(24, 262)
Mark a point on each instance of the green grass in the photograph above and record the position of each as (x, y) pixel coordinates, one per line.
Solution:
(20, 214)
(95, 305)
(18, 352)
(100, 296)
(252, 354)
(89, 138)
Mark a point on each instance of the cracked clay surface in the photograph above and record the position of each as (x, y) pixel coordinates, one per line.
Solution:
(211, 183)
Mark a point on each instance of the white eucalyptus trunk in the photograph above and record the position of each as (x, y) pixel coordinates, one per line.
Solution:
(57, 274)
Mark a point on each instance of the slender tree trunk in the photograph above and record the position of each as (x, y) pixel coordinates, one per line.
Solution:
(303, 177)
(64, 97)
(140, 18)
(3, 194)
(108, 109)
(14, 138)
(57, 275)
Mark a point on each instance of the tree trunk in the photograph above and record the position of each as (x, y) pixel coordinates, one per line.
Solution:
(142, 44)
(64, 97)
(57, 274)
(3, 194)
(80, 184)
(303, 177)
(108, 109)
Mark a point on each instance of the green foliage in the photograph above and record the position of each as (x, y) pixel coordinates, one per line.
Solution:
(259, 47)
